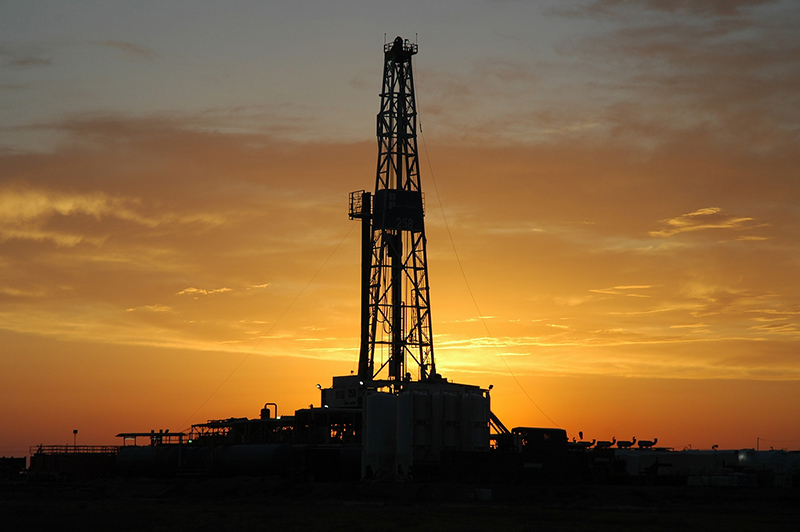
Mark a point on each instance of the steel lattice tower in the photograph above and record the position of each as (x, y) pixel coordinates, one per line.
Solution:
(396, 336)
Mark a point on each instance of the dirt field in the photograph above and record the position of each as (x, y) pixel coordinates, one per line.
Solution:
(253, 504)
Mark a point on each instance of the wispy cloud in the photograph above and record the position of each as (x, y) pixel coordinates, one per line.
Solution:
(621, 290)
(789, 329)
(152, 308)
(706, 8)
(21, 57)
(16, 292)
(128, 50)
(702, 219)
(675, 54)
(192, 291)
(38, 215)
(30, 62)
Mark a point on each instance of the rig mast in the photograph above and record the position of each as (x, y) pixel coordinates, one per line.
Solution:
(396, 336)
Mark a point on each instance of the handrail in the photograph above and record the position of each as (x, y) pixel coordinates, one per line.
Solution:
(74, 449)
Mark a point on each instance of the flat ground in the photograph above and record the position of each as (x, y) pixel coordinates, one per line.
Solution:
(252, 504)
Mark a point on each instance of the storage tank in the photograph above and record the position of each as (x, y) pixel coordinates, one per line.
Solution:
(381, 439)
(255, 459)
(474, 422)
(449, 421)
(151, 460)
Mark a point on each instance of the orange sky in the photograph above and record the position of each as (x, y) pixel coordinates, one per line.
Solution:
(623, 202)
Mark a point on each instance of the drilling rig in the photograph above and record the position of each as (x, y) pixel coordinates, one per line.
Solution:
(397, 417)
(410, 416)
(395, 313)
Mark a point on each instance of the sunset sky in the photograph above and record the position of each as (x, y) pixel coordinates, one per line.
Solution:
(618, 181)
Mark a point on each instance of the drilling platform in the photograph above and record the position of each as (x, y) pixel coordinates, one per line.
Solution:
(397, 417)
(409, 413)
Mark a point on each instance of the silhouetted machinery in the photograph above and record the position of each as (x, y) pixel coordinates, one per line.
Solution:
(397, 408)
(410, 414)
(397, 415)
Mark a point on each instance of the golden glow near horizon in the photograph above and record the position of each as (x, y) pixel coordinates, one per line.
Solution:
(619, 179)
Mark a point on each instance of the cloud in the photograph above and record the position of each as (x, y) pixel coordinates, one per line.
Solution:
(19, 206)
(752, 238)
(168, 212)
(703, 219)
(16, 292)
(21, 57)
(620, 290)
(706, 8)
(129, 51)
(192, 291)
(29, 62)
(38, 214)
(789, 329)
(153, 214)
(152, 308)
(726, 68)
